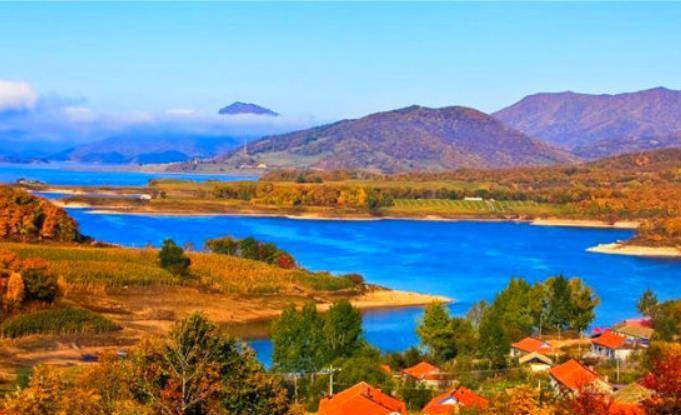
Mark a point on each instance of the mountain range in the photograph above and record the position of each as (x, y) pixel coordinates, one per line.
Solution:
(412, 138)
(599, 125)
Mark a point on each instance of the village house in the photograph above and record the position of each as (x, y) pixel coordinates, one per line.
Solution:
(572, 376)
(427, 374)
(537, 362)
(612, 346)
(638, 331)
(531, 345)
(361, 399)
(451, 402)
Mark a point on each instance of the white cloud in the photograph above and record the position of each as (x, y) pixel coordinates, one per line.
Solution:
(180, 111)
(17, 96)
(80, 114)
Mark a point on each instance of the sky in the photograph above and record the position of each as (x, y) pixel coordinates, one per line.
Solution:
(326, 61)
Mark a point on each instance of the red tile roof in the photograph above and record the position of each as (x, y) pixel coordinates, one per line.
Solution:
(573, 375)
(530, 344)
(448, 402)
(422, 370)
(361, 399)
(610, 340)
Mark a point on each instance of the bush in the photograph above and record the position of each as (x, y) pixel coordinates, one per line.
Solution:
(173, 259)
(57, 320)
(356, 279)
(39, 284)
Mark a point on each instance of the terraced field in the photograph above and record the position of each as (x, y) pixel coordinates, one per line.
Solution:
(472, 207)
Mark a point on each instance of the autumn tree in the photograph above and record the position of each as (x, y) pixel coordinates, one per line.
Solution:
(664, 380)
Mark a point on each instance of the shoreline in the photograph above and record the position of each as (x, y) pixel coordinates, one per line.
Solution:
(584, 223)
(637, 250)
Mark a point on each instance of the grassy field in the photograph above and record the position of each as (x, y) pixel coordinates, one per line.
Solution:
(471, 207)
(92, 267)
(57, 320)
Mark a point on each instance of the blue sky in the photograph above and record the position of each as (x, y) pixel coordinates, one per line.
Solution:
(332, 61)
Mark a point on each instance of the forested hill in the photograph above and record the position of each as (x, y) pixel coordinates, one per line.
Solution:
(599, 125)
(407, 139)
(25, 217)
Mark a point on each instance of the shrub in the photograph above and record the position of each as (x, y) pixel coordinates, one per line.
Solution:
(173, 259)
(39, 283)
(57, 320)
(356, 279)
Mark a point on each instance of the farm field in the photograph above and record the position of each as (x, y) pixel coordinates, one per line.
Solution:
(472, 207)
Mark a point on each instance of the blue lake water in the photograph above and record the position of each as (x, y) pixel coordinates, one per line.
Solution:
(85, 175)
(467, 261)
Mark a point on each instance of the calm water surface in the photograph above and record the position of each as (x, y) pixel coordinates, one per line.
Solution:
(85, 175)
(467, 261)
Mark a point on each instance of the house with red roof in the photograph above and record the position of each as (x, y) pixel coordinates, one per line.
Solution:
(361, 399)
(426, 373)
(573, 376)
(612, 346)
(531, 345)
(451, 402)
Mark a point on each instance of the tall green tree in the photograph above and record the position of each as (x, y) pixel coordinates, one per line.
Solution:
(583, 302)
(560, 303)
(435, 332)
(298, 340)
(647, 303)
(343, 330)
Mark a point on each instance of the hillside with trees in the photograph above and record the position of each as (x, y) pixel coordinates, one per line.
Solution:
(407, 139)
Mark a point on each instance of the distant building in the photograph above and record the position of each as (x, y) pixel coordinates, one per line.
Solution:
(359, 400)
(451, 402)
(612, 346)
(427, 374)
(473, 199)
(572, 376)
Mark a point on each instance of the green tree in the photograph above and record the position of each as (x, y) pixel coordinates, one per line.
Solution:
(583, 302)
(647, 303)
(560, 303)
(250, 248)
(364, 366)
(172, 258)
(343, 330)
(298, 340)
(435, 332)
(494, 339)
(224, 246)
(39, 283)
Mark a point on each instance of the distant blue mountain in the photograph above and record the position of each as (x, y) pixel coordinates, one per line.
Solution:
(246, 108)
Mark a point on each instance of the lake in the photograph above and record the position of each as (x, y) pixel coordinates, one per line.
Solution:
(466, 260)
(71, 174)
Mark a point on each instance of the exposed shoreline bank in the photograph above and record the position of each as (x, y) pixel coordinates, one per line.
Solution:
(637, 250)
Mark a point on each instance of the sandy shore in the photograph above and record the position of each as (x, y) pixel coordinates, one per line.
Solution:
(634, 250)
(584, 223)
(396, 299)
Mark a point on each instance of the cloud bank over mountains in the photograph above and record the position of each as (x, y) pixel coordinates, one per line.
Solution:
(35, 125)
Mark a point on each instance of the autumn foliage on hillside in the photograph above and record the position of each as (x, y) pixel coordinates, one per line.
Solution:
(25, 217)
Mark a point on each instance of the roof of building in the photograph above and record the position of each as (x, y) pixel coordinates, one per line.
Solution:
(530, 344)
(361, 399)
(610, 340)
(421, 370)
(446, 402)
(535, 357)
(573, 375)
(638, 331)
(632, 393)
